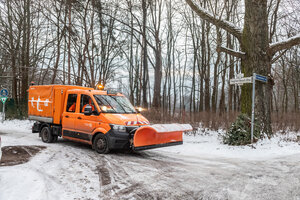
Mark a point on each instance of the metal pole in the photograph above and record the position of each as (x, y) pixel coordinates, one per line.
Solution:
(3, 112)
(253, 106)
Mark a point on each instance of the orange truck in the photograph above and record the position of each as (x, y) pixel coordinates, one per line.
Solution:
(106, 120)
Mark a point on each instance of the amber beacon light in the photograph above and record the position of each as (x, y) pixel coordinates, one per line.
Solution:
(99, 86)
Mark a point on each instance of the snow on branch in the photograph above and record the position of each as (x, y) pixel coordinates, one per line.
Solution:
(231, 52)
(226, 25)
(285, 44)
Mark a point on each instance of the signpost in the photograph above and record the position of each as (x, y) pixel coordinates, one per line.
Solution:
(240, 80)
(261, 78)
(4, 93)
(3, 98)
(253, 106)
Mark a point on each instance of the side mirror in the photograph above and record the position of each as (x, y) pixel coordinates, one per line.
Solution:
(88, 110)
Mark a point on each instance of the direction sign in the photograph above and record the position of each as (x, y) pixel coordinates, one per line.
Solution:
(4, 93)
(261, 78)
(3, 99)
(241, 75)
(241, 81)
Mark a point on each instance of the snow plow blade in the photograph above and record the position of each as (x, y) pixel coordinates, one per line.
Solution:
(159, 135)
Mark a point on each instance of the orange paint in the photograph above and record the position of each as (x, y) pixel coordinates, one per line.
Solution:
(146, 136)
(48, 100)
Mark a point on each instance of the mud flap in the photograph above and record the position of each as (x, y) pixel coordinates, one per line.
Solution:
(159, 135)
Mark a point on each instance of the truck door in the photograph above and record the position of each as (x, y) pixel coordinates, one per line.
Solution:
(86, 124)
(69, 115)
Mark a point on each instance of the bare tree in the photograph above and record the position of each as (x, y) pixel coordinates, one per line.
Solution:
(256, 56)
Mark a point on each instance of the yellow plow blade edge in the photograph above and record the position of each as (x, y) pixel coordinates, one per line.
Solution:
(159, 135)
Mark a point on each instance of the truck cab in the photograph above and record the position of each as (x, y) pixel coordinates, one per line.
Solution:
(100, 118)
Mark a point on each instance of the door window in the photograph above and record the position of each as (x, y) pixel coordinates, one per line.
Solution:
(84, 101)
(71, 103)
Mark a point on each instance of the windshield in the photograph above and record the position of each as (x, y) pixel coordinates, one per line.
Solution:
(114, 104)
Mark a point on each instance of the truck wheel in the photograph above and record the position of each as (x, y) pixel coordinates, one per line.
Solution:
(101, 144)
(46, 135)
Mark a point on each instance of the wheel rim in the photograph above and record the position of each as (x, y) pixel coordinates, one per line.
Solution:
(45, 135)
(101, 144)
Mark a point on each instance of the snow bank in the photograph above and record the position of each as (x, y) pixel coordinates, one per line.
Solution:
(209, 143)
(21, 132)
(171, 127)
(17, 126)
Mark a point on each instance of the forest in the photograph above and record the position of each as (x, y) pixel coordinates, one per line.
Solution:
(173, 58)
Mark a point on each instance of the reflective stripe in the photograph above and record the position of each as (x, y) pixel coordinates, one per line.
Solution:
(136, 122)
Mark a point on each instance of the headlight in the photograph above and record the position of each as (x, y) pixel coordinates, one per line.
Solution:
(119, 128)
(104, 108)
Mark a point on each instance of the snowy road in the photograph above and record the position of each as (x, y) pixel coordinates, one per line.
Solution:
(67, 170)
(155, 175)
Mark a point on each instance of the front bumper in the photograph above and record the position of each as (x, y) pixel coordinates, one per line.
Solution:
(118, 140)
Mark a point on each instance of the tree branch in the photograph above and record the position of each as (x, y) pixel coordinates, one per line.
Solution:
(277, 57)
(285, 44)
(231, 52)
(226, 25)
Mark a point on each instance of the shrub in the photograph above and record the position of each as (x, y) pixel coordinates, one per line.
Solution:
(240, 131)
(14, 110)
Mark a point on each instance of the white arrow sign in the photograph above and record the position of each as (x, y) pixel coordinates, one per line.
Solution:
(240, 81)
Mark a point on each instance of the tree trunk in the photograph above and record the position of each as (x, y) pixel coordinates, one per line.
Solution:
(69, 43)
(145, 55)
(222, 106)
(214, 96)
(58, 52)
(207, 71)
(255, 43)
(157, 73)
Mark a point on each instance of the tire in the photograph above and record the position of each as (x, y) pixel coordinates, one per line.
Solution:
(101, 144)
(46, 135)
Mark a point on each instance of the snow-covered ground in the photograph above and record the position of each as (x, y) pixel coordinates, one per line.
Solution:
(209, 143)
(201, 168)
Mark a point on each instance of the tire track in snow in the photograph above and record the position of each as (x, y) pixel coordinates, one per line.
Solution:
(110, 181)
(124, 171)
(115, 182)
(206, 178)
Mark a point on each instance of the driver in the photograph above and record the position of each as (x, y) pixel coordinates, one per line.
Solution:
(90, 103)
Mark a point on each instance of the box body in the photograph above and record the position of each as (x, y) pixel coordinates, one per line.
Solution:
(46, 102)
